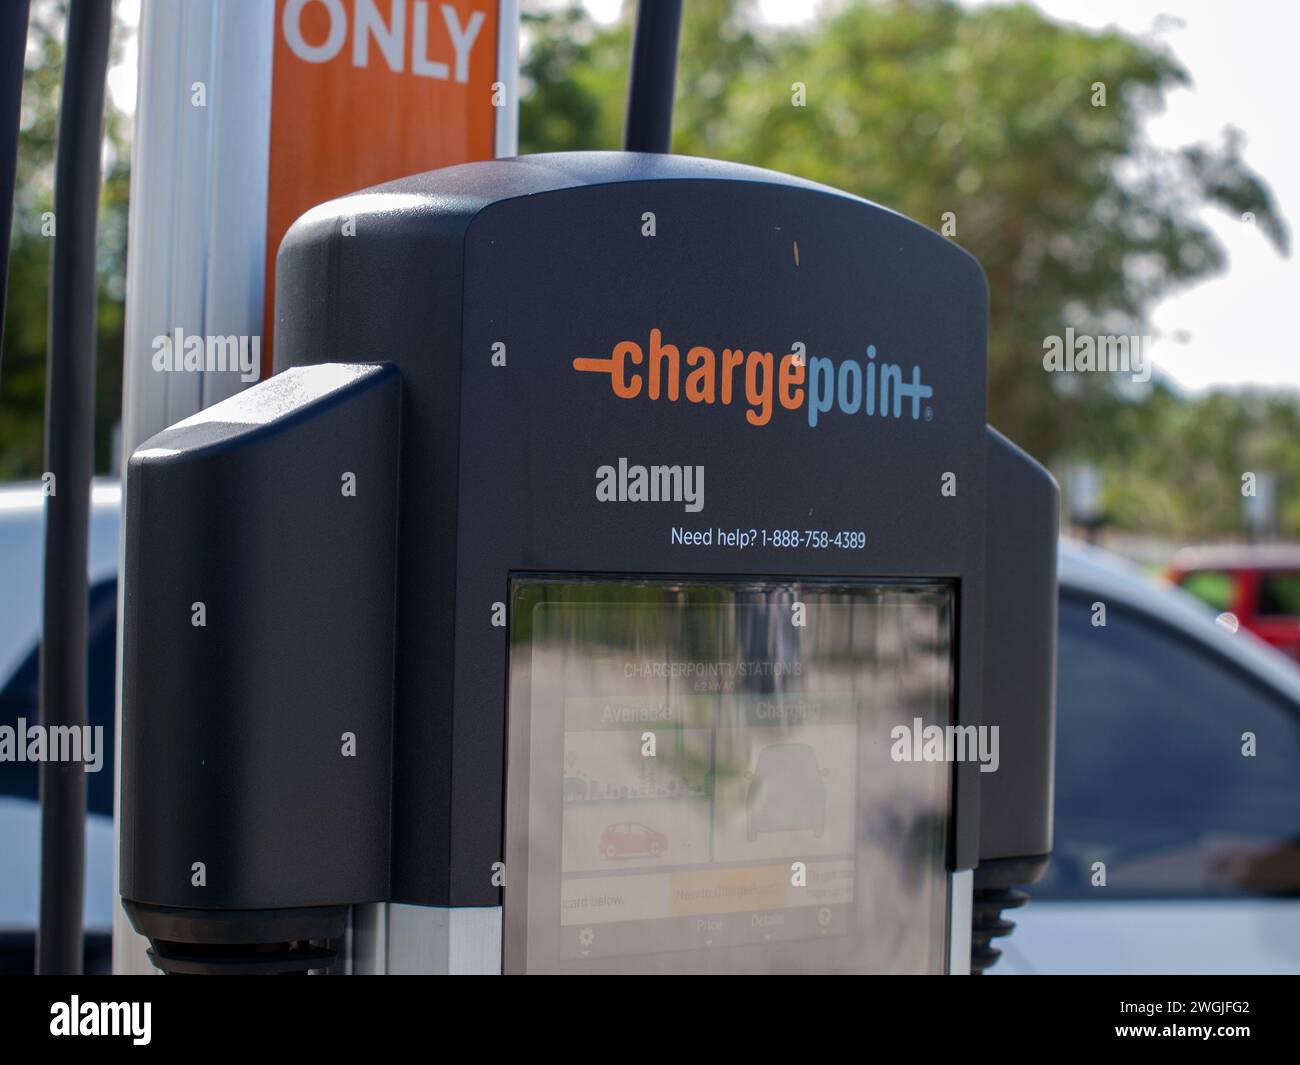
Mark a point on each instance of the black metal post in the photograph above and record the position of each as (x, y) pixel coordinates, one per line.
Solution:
(649, 125)
(69, 456)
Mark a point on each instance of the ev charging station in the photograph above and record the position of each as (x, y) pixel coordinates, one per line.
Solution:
(617, 574)
(609, 635)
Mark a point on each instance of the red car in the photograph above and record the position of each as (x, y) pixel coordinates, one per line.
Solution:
(630, 839)
(1259, 584)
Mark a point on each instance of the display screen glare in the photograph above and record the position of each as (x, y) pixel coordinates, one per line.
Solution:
(700, 776)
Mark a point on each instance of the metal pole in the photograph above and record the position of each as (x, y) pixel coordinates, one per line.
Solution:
(69, 456)
(649, 125)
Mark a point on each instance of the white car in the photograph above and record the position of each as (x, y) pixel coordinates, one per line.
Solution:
(1177, 788)
(22, 530)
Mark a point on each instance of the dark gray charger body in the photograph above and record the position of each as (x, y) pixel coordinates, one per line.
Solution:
(546, 255)
(257, 674)
(482, 284)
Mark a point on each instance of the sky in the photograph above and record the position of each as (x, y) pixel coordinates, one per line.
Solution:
(1233, 330)
(1242, 60)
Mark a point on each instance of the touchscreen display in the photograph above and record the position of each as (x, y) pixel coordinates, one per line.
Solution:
(700, 776)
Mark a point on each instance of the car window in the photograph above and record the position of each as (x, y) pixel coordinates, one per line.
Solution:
(19, 698)
(1210, 586)
(1279, 594)
(1151, 778)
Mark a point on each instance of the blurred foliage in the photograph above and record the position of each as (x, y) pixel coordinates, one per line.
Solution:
(1174, 466)
(929, 107)
(22, 362)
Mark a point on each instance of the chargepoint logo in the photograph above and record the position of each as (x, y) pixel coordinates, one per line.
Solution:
(102, 1018)
(818, 386)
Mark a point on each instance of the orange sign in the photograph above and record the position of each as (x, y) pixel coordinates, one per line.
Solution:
(366, 91)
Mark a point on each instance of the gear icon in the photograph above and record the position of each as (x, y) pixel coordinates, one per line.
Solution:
(586, 937)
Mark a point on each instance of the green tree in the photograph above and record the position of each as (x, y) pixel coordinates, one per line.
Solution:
(1174, 466)
(22, 365)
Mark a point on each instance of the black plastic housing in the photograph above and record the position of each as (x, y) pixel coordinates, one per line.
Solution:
(546, 258)
(480, 286)
(258, 743)
(1020, 694)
